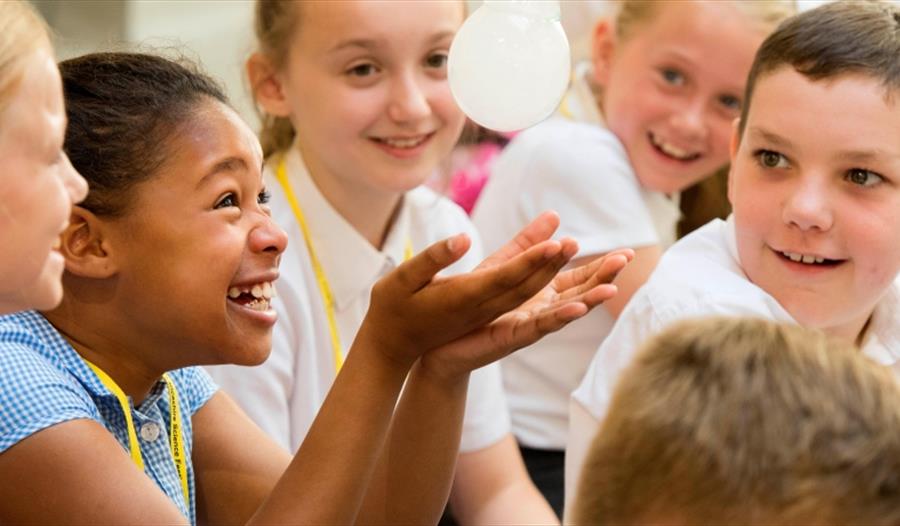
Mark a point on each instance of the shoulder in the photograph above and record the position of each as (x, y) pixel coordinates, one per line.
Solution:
(195, 387)
(36, 388)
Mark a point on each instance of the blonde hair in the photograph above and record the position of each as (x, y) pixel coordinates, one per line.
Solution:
(275, 22)
(744, 421)
(21, 32)
(630, 14)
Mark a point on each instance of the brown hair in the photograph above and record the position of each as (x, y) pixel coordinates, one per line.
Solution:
(274, 24)
(22, 31)
(123, 110)
(744, 421)
(841, 38)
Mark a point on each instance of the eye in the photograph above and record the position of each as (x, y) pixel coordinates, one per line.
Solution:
(227, 200)
(436, 60)
(863, 177)
(264, 197)
(731, 102)
(770, 159)
(362, 70)
(672, 76)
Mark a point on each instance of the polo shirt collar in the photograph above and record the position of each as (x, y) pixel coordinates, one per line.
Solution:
(58, 348)
(350, 263)
(882, 342)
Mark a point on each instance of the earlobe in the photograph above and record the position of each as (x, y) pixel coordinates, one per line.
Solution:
(603, 48)
(267, 86)
(87, 251)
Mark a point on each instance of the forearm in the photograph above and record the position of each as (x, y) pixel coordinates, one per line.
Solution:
(492, 486)
(320, 486)
(416, 467)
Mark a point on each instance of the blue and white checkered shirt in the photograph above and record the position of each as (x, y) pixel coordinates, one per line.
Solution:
(44, 382)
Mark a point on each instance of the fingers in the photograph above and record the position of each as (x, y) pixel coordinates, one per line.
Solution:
(414, 274)
(601, 270)
(540, 229)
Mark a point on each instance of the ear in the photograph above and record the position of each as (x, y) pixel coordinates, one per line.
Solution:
(87, 251)
(733, 146)
(603, 47)
(267, 85)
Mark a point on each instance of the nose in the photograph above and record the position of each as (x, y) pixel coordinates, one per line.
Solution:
(408, 98)
(807, 206)
(690, 120)
(266, 237)
(74, 183)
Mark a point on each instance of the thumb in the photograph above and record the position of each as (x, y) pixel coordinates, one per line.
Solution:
(421, 269)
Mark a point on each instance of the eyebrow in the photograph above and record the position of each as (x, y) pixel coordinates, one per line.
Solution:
(771, 137)
(369, 43)
(229, 164)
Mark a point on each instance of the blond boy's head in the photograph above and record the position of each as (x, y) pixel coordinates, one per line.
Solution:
(726, 421)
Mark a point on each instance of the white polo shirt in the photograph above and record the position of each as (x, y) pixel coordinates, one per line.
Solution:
(579, 169)
(284, 394)
(699, 276)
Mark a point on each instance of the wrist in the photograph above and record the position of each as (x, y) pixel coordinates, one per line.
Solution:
(387, 352)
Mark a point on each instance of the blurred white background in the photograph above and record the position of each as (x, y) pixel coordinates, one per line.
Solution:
(219, 33)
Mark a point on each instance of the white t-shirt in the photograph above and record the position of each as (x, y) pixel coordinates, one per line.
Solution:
(580, 170)
(284, 394)
(699, 276)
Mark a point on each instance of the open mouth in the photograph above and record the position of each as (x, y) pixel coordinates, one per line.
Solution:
(671, 151)
(809, 259)
(256, 297)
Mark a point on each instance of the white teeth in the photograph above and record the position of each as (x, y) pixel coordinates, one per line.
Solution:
(803, 258)
(258, 304)
(404, 143)
(674, 151)
(264, 290)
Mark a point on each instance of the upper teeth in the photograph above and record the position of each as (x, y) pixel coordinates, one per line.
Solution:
(260, 290)
(405, 143)
(674, 151)
(803, 258)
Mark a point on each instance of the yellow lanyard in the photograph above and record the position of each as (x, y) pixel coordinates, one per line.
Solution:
(324, 288)
(176, 441)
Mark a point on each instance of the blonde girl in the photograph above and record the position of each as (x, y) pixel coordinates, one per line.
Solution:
(649, 115)
(38, 185)
(358, 116)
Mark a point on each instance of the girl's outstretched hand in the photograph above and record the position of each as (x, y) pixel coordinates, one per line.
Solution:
(569, 296)
(512, 299)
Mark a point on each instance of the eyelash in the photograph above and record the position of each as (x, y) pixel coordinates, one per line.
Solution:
(849, 175)
(230, 199)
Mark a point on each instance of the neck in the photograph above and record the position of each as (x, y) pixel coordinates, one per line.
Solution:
(853, 331)
(370, 211)
(93, 336)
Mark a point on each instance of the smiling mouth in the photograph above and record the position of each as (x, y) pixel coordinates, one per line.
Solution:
(809, 259)
(255, 297)
(672, 151)
(403, 143)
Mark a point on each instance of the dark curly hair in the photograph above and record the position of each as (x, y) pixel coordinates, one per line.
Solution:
(123, 110)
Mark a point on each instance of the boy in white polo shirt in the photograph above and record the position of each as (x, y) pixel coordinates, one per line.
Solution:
(815, 186)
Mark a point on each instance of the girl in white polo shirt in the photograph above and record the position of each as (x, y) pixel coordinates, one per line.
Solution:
(647, 117)
(359, 115)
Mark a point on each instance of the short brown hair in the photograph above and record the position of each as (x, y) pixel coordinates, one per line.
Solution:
(840, 38)
(744, 421)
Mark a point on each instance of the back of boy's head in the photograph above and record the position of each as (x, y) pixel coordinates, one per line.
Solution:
(123, 110)
(860, 37)
(729, 421)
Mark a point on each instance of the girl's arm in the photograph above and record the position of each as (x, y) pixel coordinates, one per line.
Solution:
(415, 471)
(492, 486)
